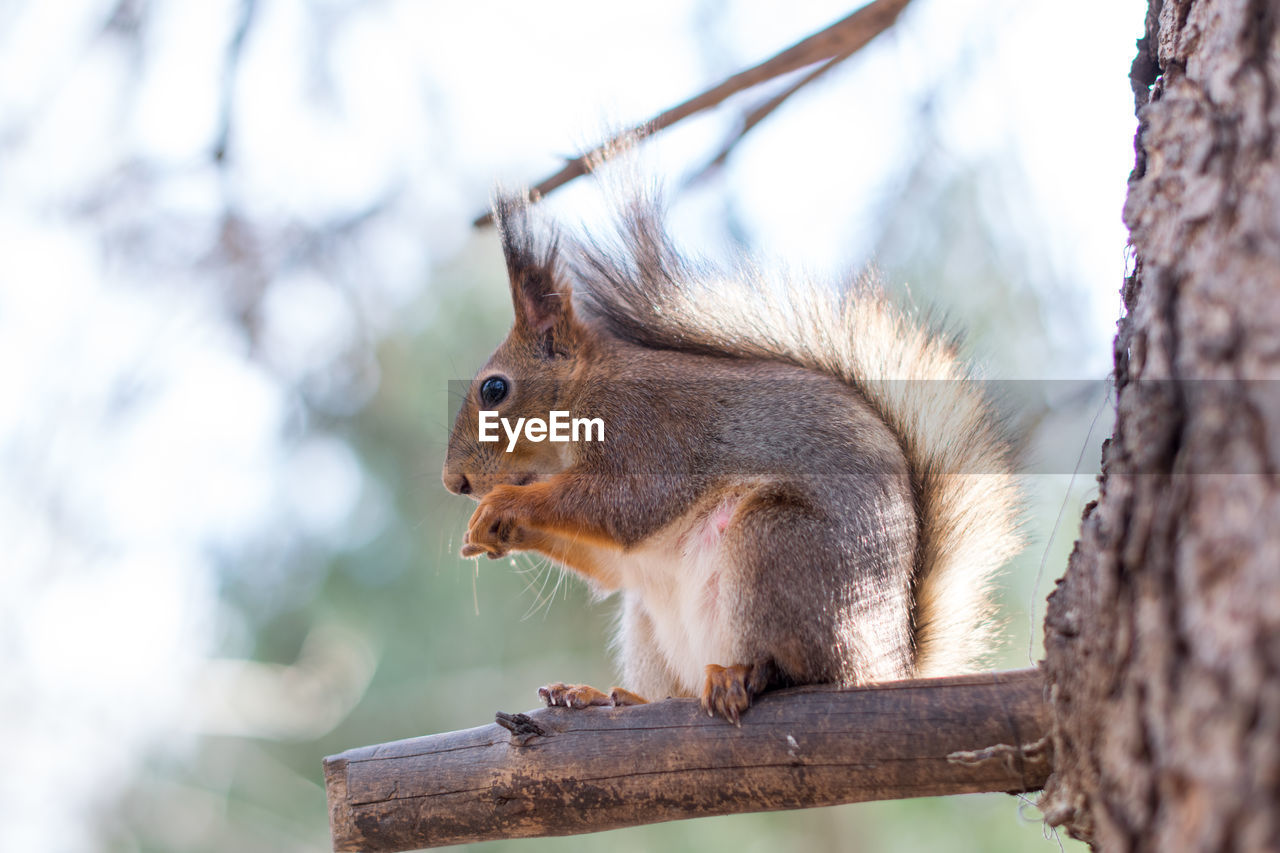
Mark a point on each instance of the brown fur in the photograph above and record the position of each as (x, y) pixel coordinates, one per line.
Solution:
(800, 480)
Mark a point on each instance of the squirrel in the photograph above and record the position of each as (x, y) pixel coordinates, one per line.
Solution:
(796, 484)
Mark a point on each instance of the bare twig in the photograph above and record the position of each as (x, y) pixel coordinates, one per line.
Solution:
(835, 43)
(762, 111)
(230, 72)
(558, 772)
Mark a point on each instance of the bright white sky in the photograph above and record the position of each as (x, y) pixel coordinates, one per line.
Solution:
(107, 605)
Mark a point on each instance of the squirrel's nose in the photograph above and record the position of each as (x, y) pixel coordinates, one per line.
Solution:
(457, 483)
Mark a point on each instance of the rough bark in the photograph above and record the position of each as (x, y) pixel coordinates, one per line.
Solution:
(1163, 639)
(558, 772)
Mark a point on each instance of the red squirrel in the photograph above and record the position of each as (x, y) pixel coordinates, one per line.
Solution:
(795, 484)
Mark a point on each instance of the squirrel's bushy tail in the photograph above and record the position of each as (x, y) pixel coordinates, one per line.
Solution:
(967, 498)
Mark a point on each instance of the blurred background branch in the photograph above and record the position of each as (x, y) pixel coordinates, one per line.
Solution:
(830, 46)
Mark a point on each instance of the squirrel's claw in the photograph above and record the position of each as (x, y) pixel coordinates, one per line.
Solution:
(469, 550)
(622, 697)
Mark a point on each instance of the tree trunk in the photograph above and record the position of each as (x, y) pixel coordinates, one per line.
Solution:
(1163, 639)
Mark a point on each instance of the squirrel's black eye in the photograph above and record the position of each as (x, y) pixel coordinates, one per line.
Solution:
(493, 391)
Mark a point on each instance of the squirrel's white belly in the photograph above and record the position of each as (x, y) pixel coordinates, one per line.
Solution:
(677, 577)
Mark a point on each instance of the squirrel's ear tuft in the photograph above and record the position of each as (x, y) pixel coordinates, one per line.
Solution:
(541, 300)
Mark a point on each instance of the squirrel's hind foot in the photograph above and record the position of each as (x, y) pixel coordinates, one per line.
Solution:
(729, 690)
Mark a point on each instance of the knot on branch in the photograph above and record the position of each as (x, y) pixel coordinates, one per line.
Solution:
(523, 728)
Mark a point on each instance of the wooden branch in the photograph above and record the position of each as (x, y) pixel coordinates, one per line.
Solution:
(762, 111)
(559, 772)
(841, 39)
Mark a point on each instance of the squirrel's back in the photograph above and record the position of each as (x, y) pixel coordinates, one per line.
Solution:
(966, 498)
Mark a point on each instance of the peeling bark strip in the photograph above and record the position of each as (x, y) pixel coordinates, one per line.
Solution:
(560, 772)
(1163, 640)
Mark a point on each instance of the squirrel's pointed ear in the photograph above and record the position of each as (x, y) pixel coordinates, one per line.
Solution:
(543, 303)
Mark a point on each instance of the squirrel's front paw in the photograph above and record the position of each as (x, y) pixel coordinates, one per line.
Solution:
(495, 527)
